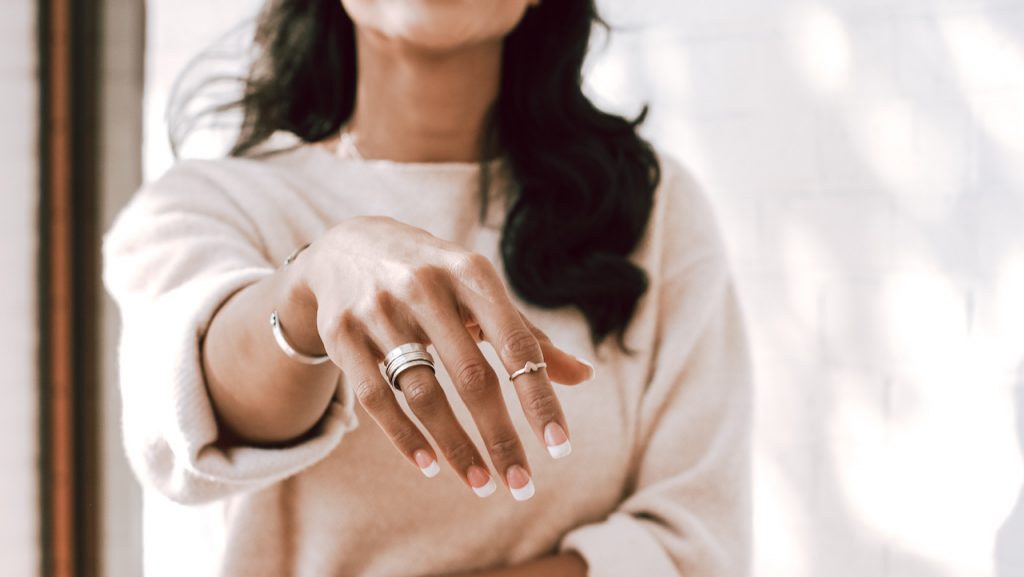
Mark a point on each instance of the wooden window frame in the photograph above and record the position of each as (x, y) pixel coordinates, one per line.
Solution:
(68, 301)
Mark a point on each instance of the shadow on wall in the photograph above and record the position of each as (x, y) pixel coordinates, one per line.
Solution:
(1010, 539)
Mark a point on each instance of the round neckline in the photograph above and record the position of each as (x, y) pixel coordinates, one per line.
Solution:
(461, 175)
(379, 163)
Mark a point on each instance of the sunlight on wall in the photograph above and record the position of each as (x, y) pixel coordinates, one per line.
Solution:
(949, 478)
(915, 158)
(611, 77)
(990, 66)
(919, 437)
(926, 320)
(1009, 301)
(954, 436)
(864, 467)
(775, 528)
(806, 267)
(176, 32)
(821, 46)
(850, 147)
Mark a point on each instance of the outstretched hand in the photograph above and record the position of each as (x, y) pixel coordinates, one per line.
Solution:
(375, 283)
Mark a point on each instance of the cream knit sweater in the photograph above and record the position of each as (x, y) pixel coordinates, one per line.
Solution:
(657, 484)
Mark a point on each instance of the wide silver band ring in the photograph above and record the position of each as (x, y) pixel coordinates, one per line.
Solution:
(402, 349)
(529, 367)
(408, 365)
(404, 357)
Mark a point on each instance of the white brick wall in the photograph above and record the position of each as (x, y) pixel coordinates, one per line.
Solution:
(19, 555)
(866, 158)
(867, 161)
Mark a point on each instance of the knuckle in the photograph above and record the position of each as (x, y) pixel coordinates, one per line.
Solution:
(504, 449)
(333, 327)
(416, 282)
(408, 285)
(473, 268)
(474, 378)
(371, 395)
(421, 394)
(461, 452)
(405, 437)
(471, 262)
(520, 344)
(542, 406)
(539, 334)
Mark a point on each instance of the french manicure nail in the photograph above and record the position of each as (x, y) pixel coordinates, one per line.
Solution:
(519, 483)
(587, 364)
(482, 483)
(556, 440)
(427, 464)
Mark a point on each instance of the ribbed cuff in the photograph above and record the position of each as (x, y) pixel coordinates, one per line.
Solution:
(619, 546)
(167, 403)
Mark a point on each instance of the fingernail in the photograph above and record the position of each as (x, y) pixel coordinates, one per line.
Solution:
(589, 366)
(519, 483)
(428, 465)
(558, 444)
(482, 483)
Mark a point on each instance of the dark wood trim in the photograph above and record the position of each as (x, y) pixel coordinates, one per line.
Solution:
(68, 277)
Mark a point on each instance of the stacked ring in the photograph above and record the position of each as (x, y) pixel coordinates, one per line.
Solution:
(405, 357)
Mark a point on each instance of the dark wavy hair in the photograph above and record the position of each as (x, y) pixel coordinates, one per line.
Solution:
(585, 178)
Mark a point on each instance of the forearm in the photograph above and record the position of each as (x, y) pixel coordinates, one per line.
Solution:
(562, 565)
(261, 396)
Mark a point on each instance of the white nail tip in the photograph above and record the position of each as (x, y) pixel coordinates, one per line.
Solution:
(560, 451)
(486, 490)
(523, 493)
(432, 470)
(590, 366)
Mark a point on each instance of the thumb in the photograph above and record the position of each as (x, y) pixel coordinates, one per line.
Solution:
(563, 367)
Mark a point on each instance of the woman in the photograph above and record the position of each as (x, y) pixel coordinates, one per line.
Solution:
(450, 185)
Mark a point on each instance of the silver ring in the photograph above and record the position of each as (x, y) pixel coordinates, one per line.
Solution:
(409, 365)
(405, 357)
(401, 349)
(529, 367)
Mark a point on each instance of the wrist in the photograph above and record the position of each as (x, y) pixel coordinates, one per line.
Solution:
(297, 309)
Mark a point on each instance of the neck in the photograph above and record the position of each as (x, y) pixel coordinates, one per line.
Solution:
(418, 107)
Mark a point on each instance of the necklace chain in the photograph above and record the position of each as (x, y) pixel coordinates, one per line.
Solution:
(346, 147)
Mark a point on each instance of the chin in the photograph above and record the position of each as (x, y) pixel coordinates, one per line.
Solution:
(437, 25)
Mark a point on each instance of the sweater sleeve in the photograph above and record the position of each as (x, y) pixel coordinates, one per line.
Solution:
(174, 254)
(687, 509)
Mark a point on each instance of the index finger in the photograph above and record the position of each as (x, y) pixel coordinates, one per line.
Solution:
(482, 292)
